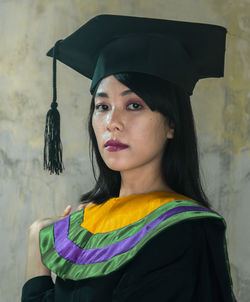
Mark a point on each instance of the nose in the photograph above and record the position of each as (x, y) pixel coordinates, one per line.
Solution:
(114, 120)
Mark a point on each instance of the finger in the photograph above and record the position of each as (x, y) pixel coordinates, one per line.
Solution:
(67, 210)
(80, 207)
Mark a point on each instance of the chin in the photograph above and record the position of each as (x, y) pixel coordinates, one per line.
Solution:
(117, 166)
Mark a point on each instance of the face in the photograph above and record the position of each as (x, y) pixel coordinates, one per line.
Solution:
(122, 115)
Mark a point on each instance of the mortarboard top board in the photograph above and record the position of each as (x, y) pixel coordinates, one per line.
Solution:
(176, 51)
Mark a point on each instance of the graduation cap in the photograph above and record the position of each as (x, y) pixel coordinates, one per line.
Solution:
(176, 51)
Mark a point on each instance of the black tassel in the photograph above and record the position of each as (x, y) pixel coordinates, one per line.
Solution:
(52, 142)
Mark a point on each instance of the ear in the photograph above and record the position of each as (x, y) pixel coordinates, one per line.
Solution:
(170, 133)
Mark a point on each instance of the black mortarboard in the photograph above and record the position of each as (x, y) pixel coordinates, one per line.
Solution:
(179, 52)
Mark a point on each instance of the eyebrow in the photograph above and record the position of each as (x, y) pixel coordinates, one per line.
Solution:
(105, 95)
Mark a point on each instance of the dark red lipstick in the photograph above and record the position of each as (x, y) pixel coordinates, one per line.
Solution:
(114, 145)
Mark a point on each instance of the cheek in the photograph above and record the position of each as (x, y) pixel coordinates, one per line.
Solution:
(97, 130)
(97, 125)
(151, 138)
(148, 131)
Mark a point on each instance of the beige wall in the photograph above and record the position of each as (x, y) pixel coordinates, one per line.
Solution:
(221, 108)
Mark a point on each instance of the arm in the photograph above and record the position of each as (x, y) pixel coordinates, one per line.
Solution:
(38, 282)
(38, 289)
(34, 265)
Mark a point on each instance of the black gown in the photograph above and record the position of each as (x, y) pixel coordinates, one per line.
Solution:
(185, 262)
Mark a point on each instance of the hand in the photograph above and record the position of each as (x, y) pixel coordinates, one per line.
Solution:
(34, 265)
(39, 224)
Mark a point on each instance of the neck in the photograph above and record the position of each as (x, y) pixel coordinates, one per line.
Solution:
(136, 182)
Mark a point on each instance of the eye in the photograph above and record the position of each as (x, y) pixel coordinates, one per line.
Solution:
(137, 107)
(97, 106)
(134, 108)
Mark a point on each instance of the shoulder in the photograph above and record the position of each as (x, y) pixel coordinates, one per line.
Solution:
(187, 231)
(180, 244)
(192, 234)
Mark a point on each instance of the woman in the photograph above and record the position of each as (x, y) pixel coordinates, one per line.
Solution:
(149, 231)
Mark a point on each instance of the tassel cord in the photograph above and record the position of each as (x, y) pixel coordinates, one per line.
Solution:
(52, 142)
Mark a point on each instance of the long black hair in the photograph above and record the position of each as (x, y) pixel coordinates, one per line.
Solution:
(180, 161)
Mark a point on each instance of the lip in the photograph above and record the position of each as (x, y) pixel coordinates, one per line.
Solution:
(115, 143)
(115, 148)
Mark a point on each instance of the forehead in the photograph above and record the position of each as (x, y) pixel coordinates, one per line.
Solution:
(110, 85)
(110, 82)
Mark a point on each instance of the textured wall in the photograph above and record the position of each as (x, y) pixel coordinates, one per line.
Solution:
(221, 108)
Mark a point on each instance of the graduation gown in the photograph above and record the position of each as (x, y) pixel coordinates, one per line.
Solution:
(158, 246)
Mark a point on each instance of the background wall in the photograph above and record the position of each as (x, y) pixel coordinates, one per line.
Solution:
(221, 109)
